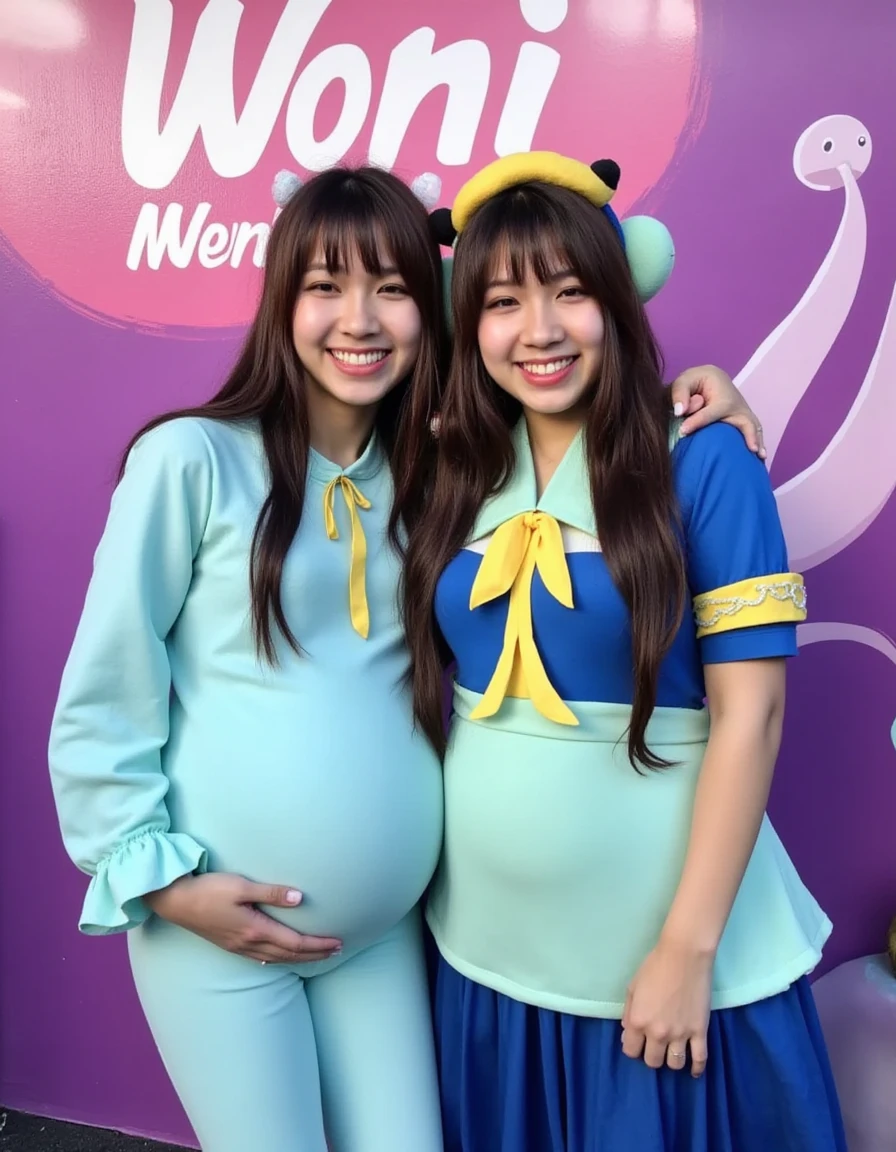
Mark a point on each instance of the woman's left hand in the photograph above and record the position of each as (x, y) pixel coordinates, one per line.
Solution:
(707, 394)
(667, 1008)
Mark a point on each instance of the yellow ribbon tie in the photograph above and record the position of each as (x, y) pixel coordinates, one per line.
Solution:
(528, 541)
(357, 593)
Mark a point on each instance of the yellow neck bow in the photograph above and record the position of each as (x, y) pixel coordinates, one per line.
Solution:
(528, 541)
(357, 594)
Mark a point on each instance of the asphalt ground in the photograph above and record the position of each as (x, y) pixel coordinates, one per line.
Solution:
(21, 1133)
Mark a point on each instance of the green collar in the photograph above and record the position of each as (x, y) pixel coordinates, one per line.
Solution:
(364, 468)
(567, 496)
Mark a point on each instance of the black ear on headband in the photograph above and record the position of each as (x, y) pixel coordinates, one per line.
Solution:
(608, 171)
(441, 227)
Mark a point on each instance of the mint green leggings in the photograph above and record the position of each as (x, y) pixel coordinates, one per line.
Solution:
(266, 1058)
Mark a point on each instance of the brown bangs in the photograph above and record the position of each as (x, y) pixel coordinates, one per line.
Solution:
(357, 220)
(525, 235)
(341, 235)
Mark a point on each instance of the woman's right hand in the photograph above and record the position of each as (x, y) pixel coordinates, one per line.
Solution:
(221, 908)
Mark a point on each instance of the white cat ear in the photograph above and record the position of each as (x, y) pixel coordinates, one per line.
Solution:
(285, 186)
(427, 188)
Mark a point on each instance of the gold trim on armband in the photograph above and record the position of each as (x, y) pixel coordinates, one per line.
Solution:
(776, 599)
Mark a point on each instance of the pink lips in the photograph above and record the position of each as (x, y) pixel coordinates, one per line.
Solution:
(542, 379)
(362, 369)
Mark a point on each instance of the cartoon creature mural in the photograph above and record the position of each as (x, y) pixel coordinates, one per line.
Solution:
(824, 509)
(821, 513)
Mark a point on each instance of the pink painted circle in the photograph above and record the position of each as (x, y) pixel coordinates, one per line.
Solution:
(150, 132)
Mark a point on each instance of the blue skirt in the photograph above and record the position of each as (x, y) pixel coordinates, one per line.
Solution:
(515, 1078)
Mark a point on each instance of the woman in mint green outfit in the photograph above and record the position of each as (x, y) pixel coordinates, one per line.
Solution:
(233, 760)
(233, 751)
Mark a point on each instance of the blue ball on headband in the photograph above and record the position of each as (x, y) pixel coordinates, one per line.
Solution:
(650, 251)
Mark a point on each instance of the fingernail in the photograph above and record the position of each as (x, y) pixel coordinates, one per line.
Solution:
(678, 409)
(293, 897)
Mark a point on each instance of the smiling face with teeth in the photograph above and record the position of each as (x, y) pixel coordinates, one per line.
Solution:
(356, 330)
(541, 340)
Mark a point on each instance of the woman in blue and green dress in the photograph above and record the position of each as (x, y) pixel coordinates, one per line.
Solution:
(623, 941)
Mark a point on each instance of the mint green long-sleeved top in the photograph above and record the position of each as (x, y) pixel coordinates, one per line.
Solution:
(175, 749)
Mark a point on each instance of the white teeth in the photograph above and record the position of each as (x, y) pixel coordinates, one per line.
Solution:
(550, 368)
(359, 357)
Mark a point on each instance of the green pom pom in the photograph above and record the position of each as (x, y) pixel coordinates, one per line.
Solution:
(651, 253)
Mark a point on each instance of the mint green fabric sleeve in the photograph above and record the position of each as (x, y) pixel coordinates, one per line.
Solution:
(111, 719)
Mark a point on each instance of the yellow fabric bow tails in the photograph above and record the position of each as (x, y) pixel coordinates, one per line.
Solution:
(357, 591)
(530, 541)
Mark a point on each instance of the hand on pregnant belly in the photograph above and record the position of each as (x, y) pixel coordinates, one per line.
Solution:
(221, 908)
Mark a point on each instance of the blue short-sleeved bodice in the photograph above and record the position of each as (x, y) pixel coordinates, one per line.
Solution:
(546, 822)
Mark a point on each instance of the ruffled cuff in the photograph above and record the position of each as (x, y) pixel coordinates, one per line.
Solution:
(153, 860)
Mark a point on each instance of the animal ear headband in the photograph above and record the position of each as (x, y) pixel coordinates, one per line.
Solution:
(427, 188)
(647, 242)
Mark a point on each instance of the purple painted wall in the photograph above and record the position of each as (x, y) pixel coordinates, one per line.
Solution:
(77, 377)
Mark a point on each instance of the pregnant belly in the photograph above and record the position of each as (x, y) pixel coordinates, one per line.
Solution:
(541, 815)
(347, 808)
(560, 863)
(552, 849)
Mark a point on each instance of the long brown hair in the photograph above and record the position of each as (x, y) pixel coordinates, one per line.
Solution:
(344, 210)
(626, 438)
